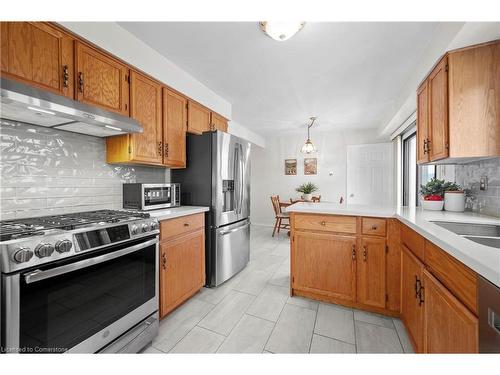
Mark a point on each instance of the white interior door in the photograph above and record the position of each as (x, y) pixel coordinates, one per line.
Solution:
(370, 174)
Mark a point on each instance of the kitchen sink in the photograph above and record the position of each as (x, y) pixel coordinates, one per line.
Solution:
(488, 241)
(468, 229)
(484, 234)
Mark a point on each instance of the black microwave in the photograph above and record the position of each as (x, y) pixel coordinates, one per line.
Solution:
(140, 196)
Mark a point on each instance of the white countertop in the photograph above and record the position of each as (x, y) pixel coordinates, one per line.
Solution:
(484, 260)
(341, 209)
(170, 213)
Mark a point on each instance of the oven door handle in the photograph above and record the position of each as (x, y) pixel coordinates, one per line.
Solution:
(39, 275)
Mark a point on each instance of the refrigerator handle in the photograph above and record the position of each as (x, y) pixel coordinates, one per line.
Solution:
(237, 177)
(242, 177)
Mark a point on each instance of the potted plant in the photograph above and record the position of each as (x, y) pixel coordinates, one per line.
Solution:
(307, 189)
(432, 195)
(454, 197)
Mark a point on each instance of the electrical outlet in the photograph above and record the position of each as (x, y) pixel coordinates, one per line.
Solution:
(483, 183)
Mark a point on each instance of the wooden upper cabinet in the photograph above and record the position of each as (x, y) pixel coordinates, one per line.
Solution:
(438, 111)
(38, 54)
(101, 80)
(218, 122)
(174, 129)
(146, 108)
(422, 123)
(324, 264)
(412, 312)
(371, 272)
(449, 327)
(198, 118)
(474, 101)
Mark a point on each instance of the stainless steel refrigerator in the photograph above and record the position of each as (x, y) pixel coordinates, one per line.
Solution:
(218, 176)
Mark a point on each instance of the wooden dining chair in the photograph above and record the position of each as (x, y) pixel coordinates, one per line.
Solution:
(279, 216)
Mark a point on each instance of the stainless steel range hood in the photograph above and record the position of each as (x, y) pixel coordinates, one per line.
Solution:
(20, 102)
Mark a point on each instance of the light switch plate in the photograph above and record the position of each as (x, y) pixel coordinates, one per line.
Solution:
(483, 183)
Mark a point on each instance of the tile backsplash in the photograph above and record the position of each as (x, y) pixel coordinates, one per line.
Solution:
(469, 175)
(47, 172)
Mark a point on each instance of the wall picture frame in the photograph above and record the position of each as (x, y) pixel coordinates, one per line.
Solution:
(290, 167)
(310, 166)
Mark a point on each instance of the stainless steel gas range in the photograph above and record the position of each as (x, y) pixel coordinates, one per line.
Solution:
(83, 282)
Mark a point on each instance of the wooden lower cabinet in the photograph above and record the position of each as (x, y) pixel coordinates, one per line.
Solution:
(449, 327)
(324, 264)
(182, 269)
(412, 312)
(371, 264)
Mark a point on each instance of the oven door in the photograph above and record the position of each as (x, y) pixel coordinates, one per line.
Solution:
(156, 196)
(82, 304)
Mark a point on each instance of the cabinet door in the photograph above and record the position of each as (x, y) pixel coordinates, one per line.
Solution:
(371, 272)
(174, 129)
(145, 107)
(219, 122)
(182, 265)
(101, 80)
(438, 111)
(411, 308)
(38, 54)
(449, 327)
(198, 118)
(325, 264)
(422, 123)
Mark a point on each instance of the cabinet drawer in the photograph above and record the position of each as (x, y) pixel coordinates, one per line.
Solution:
(328, 223)
(413, 241)
(459, 279)
(373, 226)
(173, 227)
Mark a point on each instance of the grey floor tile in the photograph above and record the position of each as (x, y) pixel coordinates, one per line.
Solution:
(282, 250)
(215, 295)
(403, 336)
(266, 263)
(303, 302)
(293, 331)
(335, 322)
(371, 338)
(253, 282)
(151, 350)
(269, 303)
(227, 313)
(282, 275)
(199, 340)
(322, 344)
(372, 318)
(176, 325)
(249, 336)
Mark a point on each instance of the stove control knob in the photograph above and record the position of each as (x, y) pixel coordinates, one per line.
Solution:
(134, 229)
(63, 246)
(44, 250)
(145, 227)
(154, 225)
(23, 254)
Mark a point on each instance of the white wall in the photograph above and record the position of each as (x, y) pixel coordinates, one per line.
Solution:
(242, 132)
(118, 41)
(268, 167)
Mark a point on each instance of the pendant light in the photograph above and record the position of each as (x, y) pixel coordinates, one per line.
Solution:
(281, 31)
(308, 147)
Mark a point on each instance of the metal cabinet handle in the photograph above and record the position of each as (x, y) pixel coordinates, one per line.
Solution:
(65, 76)
(164, 261)
(165, 151)
(80, 82)
(428, 145)
(323, 223)
(425, 146)
(418, 286)
(186, 224)
(160, 148)
(421, 295)
(353, 252)
(374, 227)
(365, 253)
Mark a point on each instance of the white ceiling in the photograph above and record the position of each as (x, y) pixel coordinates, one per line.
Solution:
(347, 74)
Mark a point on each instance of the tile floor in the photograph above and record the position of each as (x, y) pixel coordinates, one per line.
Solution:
(253, 313)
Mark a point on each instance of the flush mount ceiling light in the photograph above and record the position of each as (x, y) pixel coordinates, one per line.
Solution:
(308, 147)
(281, 31)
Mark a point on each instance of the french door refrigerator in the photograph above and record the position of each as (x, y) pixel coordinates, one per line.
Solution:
(218, 176)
